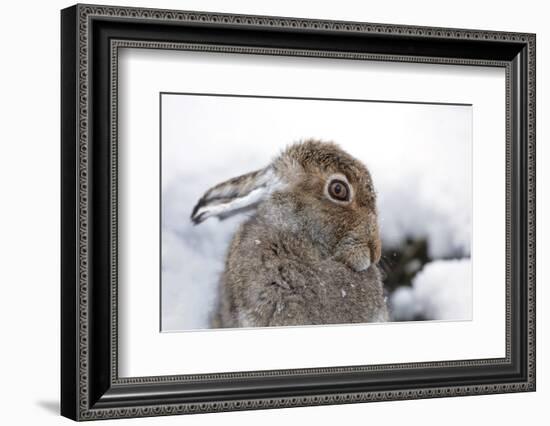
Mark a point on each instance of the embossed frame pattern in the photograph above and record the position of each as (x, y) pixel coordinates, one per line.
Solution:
(91, 37)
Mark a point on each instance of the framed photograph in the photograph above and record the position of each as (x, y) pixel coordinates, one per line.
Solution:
(263, 212)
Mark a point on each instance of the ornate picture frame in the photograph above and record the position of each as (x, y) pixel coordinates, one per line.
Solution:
(91, 387)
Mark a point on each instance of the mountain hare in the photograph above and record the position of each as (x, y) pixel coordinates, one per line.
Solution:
(308, 253)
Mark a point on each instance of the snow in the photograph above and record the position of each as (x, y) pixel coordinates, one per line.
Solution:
(192, 261)
(442, 290)
(419, 157)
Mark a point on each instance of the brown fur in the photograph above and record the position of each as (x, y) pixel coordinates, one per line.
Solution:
(299, 260)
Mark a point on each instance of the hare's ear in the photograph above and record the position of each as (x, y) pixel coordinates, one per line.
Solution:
(236, 195)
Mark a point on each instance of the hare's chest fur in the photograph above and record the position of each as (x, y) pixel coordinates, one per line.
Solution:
(274, 278)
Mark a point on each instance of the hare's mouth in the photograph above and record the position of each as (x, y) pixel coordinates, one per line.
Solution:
(361, 264)
(357, 257)
(360, 261)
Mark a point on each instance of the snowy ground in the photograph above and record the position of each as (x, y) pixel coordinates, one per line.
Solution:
(419, 157)
(440, 291)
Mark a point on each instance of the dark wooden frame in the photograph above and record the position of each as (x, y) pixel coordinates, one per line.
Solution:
(90, 386)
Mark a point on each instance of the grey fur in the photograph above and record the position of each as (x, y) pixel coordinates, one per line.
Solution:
(301, 258)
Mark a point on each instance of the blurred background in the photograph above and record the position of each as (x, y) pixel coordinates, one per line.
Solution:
(419, 156)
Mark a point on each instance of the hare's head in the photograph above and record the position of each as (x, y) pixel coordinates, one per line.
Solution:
(314, 190)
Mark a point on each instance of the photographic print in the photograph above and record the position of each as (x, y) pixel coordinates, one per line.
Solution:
(281, 211)
(361, 193)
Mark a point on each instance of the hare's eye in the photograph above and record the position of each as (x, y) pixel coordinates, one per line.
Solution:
(339, 190)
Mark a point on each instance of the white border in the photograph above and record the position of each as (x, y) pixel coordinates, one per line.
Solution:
(144, 351)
